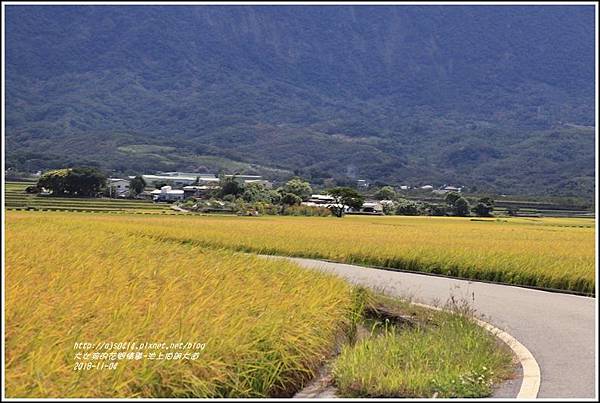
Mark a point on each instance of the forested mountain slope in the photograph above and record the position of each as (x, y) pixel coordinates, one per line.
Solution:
(491, 97)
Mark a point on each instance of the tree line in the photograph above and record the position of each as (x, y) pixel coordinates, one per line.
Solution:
(454, 204)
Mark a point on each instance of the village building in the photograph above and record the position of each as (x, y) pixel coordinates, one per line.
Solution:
(373, 207)
(368, 207)
(446, 189)
(452, 189)
(319, 200)
(181, 179)
(117, 187)
(167, 194)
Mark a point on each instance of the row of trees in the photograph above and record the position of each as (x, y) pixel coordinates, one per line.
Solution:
(460, 206)
(455, 205)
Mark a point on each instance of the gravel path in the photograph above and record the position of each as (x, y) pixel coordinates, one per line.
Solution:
(558, 329)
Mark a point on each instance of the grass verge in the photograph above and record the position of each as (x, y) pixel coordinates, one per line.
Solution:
(425, 354)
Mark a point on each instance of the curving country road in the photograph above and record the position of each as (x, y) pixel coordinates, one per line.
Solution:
(558, 329)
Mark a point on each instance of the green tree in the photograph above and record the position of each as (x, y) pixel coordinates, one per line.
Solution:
(457, 204)
(80, 181)
(137, 185)
(345, 197)
(288, 199)
(274, 196)
(435, 209)
(451, 198)
(85, 181)
(461, 207)
(54, 180)
(386, 193)
(256, 192)
(230, 186)
(389, 208)
(484, 207)
(297, 186)
(407, 207)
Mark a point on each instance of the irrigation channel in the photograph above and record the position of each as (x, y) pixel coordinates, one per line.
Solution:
(558, 329)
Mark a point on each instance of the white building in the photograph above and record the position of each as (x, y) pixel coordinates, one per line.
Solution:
(181, 179)
(166, 193)
(447, 189)
(372, 207)
(452, 189)
(369, 207)
(117, 187)
(321, 199)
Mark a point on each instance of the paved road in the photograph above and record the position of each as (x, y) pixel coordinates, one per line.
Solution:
(558, 329)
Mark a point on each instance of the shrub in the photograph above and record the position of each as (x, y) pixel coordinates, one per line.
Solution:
(407, 207)
(32, 189)
(484, 207)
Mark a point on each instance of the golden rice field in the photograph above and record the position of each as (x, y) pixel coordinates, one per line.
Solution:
(546, 252)
(265, 325)
(549, 252)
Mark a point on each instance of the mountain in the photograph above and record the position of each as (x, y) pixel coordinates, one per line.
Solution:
(495, 98)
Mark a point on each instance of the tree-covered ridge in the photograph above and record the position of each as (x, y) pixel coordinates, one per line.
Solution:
(495, 98)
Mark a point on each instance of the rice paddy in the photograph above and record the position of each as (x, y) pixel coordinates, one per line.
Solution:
(548, 252)
(17, 199)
